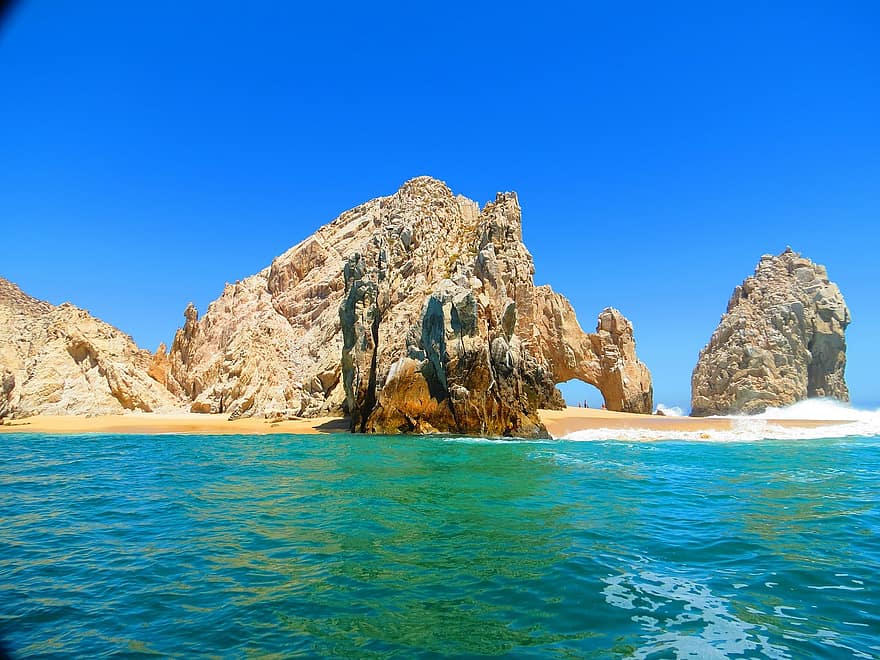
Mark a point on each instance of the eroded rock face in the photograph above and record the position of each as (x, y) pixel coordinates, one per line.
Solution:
(277, 344)
(460, 370)
(445, 330)
(781, 341)
(606, 358)
(63, 361)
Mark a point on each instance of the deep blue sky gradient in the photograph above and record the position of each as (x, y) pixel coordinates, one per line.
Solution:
(151, 152)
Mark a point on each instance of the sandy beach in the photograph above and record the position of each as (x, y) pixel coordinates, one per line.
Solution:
(191, 423)
(558, 422)
(562, 422)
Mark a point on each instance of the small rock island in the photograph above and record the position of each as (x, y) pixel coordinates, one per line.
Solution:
(781, 341)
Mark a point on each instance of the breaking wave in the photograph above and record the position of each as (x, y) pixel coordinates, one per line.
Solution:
(820, 409)
(848, 422)
(670, 411)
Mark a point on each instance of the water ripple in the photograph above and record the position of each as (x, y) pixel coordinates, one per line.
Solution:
(343, 546)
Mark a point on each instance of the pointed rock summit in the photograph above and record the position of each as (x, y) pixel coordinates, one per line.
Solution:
(412, 312)
(60, 360)
(781, 341)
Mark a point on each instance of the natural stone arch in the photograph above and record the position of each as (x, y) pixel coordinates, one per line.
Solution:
(606, 359)
(576, 392)
(465, 342)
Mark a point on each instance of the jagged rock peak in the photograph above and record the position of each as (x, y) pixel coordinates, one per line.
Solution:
(63, 361)
(781, 341)
(477, 348)
(271, 344)
(14, 299)
(424, 187)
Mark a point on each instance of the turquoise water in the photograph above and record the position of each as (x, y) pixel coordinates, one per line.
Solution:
(345, 546)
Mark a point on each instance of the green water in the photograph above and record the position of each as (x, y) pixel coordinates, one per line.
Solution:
(352, 546)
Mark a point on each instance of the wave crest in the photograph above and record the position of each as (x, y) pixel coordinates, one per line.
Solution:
(819, 409)
(853, 422)
(669, 411)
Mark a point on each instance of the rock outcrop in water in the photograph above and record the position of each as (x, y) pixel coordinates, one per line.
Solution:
(445, 330)
(436, 320)
(60, 360)
(781, 341)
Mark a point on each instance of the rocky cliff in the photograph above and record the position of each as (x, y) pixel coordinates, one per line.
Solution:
(59, 360)
(413, 311)
(475, 347)
(781, 341)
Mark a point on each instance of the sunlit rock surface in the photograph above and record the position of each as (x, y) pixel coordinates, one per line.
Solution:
(781, 341)
(60, 360)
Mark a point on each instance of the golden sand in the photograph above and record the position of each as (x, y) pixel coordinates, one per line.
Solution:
(558, 422)
(144, 423)
(562, 422)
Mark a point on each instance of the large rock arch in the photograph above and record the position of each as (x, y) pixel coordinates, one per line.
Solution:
(480, 350)
(605, 359)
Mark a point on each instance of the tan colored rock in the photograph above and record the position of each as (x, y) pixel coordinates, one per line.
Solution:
(63, 361)
(781, 341)
(475, 347)
(458, 370)
(606, 359)
(160, 365)
(272, 344)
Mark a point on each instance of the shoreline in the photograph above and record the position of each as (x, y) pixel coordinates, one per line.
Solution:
(177, 423)
(559, 423)
(571, 420)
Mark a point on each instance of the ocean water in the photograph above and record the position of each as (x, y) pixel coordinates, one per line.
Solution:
(425, 547)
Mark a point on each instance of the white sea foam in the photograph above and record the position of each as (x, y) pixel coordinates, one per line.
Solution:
(820, 409)
(471, 440)
(477, 440)
(670, 411)
(853, 423)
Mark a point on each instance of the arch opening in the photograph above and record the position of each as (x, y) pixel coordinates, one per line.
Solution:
(577, 392)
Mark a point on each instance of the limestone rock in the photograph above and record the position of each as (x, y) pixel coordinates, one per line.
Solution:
(606, 359)
(160, 365)
(781, 341)
(446, 331)
(63, 361)
(319, 330)
(450, 378)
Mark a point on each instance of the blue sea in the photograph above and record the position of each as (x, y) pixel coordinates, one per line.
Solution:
(346, 546)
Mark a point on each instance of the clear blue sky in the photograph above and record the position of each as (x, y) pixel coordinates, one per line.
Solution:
(151, 152)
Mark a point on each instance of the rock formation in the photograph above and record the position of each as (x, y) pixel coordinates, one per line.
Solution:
(473, 346)
(59, 360)
(781, 341)
(412, 311)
